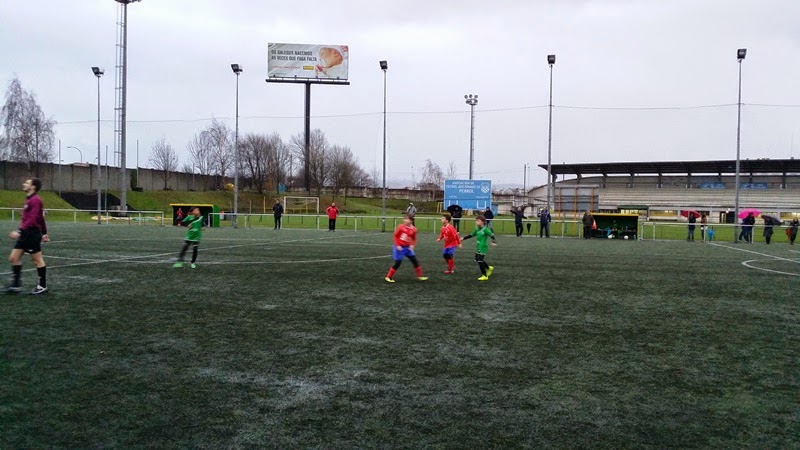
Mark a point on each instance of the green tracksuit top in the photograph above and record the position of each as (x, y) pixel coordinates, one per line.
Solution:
(195, 225)
(482, 235)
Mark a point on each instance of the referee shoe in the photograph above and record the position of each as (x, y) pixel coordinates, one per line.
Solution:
(39, 290)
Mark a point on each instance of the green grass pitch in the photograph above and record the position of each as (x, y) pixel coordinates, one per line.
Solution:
(292, 339)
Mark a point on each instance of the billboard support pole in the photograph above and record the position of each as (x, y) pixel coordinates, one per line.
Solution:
(307, 176)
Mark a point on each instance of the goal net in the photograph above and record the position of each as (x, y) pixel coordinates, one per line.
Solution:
(301, 205)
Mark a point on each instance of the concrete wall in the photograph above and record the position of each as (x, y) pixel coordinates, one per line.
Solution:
(83, 178)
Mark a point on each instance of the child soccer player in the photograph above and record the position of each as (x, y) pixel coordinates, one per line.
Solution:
(194, 221)
(482, 233)
(451, 241)
(405, 238)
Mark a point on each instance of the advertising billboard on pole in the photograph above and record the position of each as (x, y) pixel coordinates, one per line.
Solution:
(469, 194)
(307, 61)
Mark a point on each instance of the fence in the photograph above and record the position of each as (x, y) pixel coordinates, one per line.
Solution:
(432, 224)
(90, 215)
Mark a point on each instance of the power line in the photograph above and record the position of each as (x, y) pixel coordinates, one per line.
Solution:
(518, 108)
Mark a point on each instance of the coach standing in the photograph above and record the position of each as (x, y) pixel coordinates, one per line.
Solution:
(32, 232)
(333, 213)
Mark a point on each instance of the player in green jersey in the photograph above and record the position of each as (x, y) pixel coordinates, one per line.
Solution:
(194, 221)
(482, 234)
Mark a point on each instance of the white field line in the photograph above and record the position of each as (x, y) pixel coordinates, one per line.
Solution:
(159, 255)
(749, 263)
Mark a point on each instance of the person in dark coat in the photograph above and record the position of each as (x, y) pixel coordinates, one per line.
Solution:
(544, 223)
(489, 215)
(793, 230)
(455, 212)
(588, 222)
(768, 230)
(518, 213)
(277, 212)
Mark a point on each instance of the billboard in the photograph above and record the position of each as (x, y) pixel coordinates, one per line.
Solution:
(307, 61)
(468, 194)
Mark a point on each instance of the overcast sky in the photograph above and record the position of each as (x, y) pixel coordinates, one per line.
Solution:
(611, 54)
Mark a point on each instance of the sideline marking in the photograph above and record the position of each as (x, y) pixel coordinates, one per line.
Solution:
(749, 265)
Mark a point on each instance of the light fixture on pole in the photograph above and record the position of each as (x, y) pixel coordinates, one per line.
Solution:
(384, 67)
(98, 72)
(551, 60)
(79, 151)
(471, 100)
(740, 54)
(237, 69)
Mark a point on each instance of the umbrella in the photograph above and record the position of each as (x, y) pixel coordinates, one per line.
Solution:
(743, 213)
(771, 220)
(688, 212)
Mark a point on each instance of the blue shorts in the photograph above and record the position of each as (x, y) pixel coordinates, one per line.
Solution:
(399, 254)
(448, 251)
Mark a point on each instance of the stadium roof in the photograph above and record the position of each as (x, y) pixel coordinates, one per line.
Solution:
(747, 166)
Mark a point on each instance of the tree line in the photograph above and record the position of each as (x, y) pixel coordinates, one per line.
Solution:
(266, 160)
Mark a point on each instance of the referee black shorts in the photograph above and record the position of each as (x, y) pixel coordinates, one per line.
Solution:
(30, 241)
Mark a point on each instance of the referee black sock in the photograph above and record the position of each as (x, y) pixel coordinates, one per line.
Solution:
(42, 276)
(17, 273)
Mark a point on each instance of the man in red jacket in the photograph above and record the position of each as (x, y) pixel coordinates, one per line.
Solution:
(32, 232)
(333, 213)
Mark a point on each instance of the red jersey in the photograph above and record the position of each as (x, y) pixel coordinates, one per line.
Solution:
(332, 212)
(405, 235)
(33, 215)
(450, 236)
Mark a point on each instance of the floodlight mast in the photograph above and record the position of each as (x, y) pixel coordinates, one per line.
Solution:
(471, 100)
(740, 55)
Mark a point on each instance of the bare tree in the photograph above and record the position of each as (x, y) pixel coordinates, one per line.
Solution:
(220, 144)
(432, 175)
(452, 174)
(344, 169)
(317, 160)
(200, 155)
(29, 134)
(164, 158)
(375, 179)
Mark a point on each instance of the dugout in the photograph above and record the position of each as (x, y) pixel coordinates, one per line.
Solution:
(205, 210)
(626, 225)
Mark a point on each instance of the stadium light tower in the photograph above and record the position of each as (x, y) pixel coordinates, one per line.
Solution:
(384, 67)
(237, 69)
(471, 100)
(740, 54)
(122, 100)
(98, 72)
(551, 60)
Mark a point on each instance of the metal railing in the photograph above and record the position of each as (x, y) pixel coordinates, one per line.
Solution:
(87, 215)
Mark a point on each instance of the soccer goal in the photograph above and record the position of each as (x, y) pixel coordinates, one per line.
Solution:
(301, 205)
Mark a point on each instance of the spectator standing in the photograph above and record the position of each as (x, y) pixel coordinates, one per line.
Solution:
(544, 223)
(332, 212)
(489, 215)
(588, 222)
(518, 216)
(277, 212)
(793, 226)
(703, 225)
(690, 228)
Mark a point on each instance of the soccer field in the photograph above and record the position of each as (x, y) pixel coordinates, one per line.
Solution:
(292, 339)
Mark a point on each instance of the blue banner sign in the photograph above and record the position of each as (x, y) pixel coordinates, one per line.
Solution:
(754, 185)
(469, 194)
(712, 185)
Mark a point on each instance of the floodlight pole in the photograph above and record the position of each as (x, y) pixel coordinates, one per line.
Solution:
(123, 191)
(384, 66)
(471, 100)
(98, 72)
(740, 55)
(551, 60)
(237, 69)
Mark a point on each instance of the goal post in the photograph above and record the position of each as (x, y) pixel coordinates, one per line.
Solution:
(301, 205)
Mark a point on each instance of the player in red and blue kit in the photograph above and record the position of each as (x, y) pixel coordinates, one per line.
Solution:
(405, 238)
(451, 241)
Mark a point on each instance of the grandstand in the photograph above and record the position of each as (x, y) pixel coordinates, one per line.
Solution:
(661, 189)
